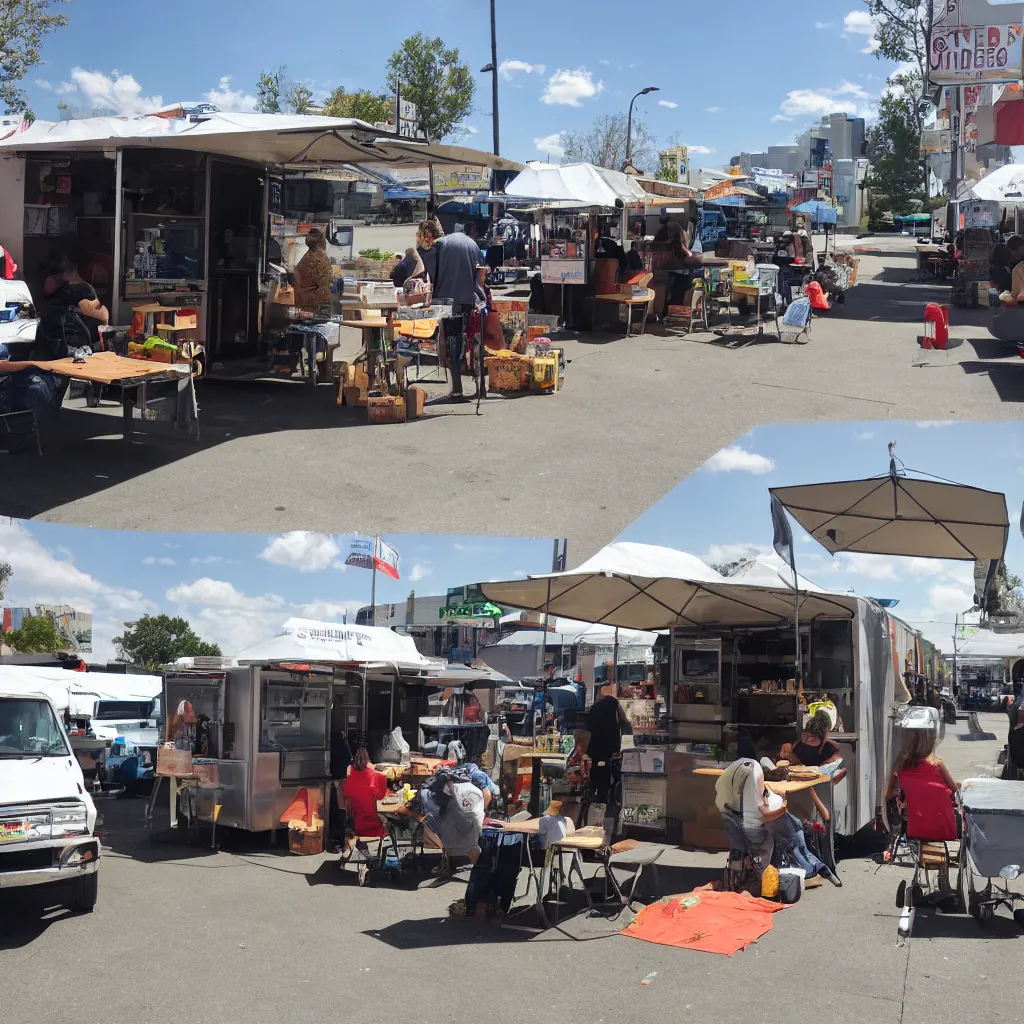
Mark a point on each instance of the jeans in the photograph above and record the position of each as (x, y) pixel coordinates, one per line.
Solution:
(791, 844)
(457, 345)
(30, 389)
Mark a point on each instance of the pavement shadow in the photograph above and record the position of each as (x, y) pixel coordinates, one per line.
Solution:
(84, 453)
(1007, 378)
(930, 923)
(434, 932)
(992, 348)
(879, 303)
(28, 913)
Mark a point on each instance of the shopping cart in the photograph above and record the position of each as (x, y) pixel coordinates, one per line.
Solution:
(992, 850)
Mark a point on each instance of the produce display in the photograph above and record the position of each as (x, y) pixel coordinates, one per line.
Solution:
(377, 254)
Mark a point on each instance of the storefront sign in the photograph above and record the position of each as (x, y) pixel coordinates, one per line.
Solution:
(809, 179)
(772, 178)
(563, 271)
(643, 801)
(720, 191)
(977, 53)
(476, 611)
(512, 314)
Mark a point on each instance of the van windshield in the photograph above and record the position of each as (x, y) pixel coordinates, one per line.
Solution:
(122, 710)
(29, 728)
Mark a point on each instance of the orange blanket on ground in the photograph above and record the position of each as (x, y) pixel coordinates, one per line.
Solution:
(713, 922)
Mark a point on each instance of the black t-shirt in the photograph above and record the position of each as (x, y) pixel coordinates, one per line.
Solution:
(605, 725)
(814, 757)
(61, 325)
(1002, 276)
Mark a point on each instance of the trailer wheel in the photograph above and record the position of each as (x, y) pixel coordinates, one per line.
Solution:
(83, 893)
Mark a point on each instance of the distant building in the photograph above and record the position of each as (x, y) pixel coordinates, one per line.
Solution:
(72, 626)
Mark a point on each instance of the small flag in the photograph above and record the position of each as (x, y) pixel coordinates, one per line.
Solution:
(783, 542)
(373, 553)
(1022, 520)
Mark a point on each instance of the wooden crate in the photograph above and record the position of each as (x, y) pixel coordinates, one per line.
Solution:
(306, 844)
(506, 373)
(385, 409)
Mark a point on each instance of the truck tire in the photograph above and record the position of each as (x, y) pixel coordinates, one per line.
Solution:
(83, 894)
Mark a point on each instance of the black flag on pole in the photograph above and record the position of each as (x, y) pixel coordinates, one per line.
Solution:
(783, 542)
(1022, 520)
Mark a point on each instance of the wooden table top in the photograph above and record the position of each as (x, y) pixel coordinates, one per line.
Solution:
(110, 368)
(529, 827)
(156, 307)
(591, 837)
(363, 324)
(781, 788)
(629, 300)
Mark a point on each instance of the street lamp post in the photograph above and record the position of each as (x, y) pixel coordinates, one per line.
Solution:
(629, 123)
(493, 69)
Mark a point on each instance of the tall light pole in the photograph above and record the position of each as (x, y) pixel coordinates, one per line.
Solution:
(493, 69)
(629, 123)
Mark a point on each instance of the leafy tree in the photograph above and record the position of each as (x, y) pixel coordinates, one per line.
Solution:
(894, 149)
(605, 143)
(432, 76)
(269, 88)
(36, 635)
(902, 28)
(24, 24)
(667, 173)
(299, 99)
(6, 572)
(156, 640)
(362, 105)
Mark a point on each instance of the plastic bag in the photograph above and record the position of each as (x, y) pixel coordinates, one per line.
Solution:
(395, 749)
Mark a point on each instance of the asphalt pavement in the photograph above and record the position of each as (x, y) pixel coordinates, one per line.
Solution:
(247, 935)
(635, 417)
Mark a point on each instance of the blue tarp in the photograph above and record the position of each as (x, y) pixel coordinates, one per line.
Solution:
(819, 212)
(732, 201)
(400, 193)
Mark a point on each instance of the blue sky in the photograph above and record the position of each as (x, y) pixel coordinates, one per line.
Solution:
(236, 589)
(722, 512)
(755, 76)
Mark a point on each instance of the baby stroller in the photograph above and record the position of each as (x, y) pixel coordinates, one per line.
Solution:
(992, 847)
(924, 834)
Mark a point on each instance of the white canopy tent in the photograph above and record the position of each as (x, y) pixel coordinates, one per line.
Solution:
(1005, 185)
(576, 185)
(986, 644)
(275, 139)
(642, 586)
(306, 640)
(77, 692)
(769, 571)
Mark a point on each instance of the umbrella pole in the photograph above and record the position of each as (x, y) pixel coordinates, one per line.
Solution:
(796, 628)
(615, 661)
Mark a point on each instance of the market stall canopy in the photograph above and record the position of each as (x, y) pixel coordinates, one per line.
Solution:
(901, 515)
(1005, 185)
(600, 635)
(77, 692)
(276, 139)
(477, 676)
(768, 571)
(641, 586)
(583, 185)
(308, 641)
(986, 644)
(819, 212)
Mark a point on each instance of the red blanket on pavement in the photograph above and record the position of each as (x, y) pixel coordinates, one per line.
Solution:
(714, 922)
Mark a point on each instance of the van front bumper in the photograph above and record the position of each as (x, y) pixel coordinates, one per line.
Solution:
(45, 862)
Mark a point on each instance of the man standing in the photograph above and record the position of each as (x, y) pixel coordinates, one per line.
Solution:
(458, 257)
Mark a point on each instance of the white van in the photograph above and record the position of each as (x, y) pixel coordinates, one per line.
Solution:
(47, 818)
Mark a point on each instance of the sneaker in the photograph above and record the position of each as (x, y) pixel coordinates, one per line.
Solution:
(362, 874)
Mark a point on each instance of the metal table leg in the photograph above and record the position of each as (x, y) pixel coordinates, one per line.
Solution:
(129, 397)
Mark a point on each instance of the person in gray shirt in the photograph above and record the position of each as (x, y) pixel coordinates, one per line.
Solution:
(458, 257)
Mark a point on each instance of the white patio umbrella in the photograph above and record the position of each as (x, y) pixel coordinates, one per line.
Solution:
(642, 586)
(581, 184)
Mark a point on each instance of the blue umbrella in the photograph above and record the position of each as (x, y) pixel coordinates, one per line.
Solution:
(819, 212)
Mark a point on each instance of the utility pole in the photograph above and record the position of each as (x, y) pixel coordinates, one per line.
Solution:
(494, 79)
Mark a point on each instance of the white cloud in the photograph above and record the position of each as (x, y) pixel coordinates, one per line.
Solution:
(823, 24)
(703, 150)
(509, 68)
(223, 97)
(420, 571)
(859, 24)
(736, 459)
(933, 424)
(671, 104)
(154, 560)
(115, 93)
(863, 435)
(551, 145)
(469, 128)
(873, 567)
(206, 559)
(723, 554)
(568, 88)
(847, 97)
(299, 549)
(713, 110)
(221, 594)
(781, 117)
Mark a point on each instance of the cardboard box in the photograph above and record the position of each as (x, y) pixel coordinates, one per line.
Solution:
(186, 318)
(173, 763)
(355, 397)
(415, 402)
(385, 409)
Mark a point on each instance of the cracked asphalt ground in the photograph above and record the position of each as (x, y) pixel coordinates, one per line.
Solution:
(635, 417)
(245, 935)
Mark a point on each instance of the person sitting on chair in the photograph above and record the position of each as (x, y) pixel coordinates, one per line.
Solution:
(814, 748)
(360, 791)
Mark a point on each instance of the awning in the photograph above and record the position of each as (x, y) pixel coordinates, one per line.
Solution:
(986, 644)
(641, 586)
(901, 515)
(583, 185)
(477, 676)
(1005, 185)
(325, 643)
(275, 139)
